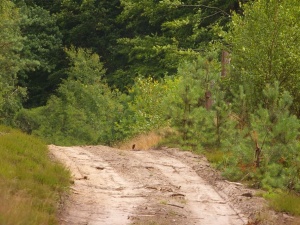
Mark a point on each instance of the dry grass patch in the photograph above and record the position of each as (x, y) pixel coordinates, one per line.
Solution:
(141, 142)
(13, 207)
(21, 208)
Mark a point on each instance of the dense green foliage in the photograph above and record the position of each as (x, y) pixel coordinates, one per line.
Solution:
(83, 110)
(187, 109)
(264, 91)
(264, 43)
(161, 34)
(104, 71)
(31, 185)
(11, 63)
(146, 107)
(42, 45)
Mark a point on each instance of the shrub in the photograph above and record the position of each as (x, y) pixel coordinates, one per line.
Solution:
(146, 106)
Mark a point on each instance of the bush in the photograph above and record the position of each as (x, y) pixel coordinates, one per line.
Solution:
(146, 106)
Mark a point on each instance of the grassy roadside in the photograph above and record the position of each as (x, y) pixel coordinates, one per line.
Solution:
(284, 202)
(30, 183)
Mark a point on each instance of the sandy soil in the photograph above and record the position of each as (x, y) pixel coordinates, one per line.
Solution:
(165, 186)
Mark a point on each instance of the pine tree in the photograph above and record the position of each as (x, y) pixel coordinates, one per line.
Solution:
(192, 114)
(268, 148)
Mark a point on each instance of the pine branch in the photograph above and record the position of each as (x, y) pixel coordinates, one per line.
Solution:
(208, 7)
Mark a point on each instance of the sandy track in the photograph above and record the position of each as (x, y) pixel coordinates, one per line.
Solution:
(114, 187)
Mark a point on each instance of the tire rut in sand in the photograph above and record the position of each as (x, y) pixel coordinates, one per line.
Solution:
(203, 205)
(139, 187)
(98, 190)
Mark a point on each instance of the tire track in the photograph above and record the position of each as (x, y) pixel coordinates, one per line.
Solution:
(114, 187)
(97, 196)
(204, 204)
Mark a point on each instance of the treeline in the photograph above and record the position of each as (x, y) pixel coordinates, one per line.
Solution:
(91, 72)
(43, 42)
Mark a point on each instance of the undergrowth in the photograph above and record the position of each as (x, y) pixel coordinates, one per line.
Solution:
(284, 202)
(31, 184)
(215, 157)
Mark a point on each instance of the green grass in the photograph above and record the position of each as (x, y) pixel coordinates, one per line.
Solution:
(31, 184)
(214, 156)
(284, 202)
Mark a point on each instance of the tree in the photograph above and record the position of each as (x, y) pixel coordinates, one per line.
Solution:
(92, 24)
(84, 109)
(264, 48)
(158, 36)
(52, 6)
(42, 45)
(85, 66)
(198, 122)
(144, 38)
(11, 95)
(267, 151)
(161, 34)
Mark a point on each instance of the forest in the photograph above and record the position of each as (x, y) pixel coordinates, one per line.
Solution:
(218, 77)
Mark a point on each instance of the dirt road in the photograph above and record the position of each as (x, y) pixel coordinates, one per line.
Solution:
(167, 186)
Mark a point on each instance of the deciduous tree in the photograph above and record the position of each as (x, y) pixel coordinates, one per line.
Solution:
(264, 45)
(11, 94)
